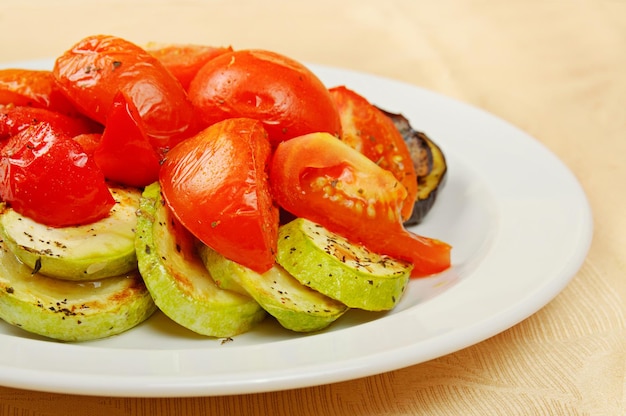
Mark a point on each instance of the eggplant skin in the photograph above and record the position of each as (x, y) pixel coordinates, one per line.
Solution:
(430, 166)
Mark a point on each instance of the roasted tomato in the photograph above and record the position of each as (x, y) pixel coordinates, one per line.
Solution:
(368, 130)
(88, 141)
(14, 119)
(124, 152)
(33, 88)
(282, 93)
(45, 175)
(216, 184)
(185, 60)
(95, 69)
(326, 181)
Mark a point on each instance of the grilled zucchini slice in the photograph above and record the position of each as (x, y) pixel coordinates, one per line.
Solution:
(347, 272)
(85, 252)
(70, 311)
(295, 306)
(176, 277)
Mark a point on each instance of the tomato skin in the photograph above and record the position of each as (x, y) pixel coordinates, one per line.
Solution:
(45, 175)
(88, 141)
(185, 60)
(279, 91)
(216, 185)
(96, 68)
(124, 153)
(33, 88)
(326, 181)
(368, 130)
(14, 119)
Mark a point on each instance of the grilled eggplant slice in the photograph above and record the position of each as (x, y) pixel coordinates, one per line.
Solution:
(430, 166)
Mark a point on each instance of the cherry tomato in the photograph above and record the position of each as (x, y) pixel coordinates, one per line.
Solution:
(14, 119)
(96, 68)
(45, 175)
(326, 181)
(185, 60)
(368, 130)
(216, 184)
(33, 88)
(124, 152)
(282, 93)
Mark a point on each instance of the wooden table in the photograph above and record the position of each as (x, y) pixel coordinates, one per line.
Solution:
(553, 68)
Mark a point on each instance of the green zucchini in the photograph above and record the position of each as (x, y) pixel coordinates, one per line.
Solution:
(85, 252)
(295, 306)
(347, 272)
(70, 311)
(177, 279)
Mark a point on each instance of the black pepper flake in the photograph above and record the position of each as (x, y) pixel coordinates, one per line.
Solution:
(116, 64)
(10, 290)
(37, 266)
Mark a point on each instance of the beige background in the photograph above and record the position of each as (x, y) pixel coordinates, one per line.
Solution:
(556, 69)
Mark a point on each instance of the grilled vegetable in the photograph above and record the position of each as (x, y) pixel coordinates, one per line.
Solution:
(70, 311)
(84, 252)
(347, 272)
(178, 281)
(295, 306)
(430, 166)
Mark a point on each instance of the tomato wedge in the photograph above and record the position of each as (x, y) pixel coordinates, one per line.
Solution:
(33, 88)
(88, 141)
(14, 119)
(368, 130)
(96, 68)
(45, 175)
(216, 185)
(185, 60)
(124, 152)
(282, 93)
(318, 177)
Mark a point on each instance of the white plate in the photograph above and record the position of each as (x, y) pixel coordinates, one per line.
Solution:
(517, 218)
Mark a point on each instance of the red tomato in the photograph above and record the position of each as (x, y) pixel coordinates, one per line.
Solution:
(14, 119)
(184, 61)
(368, 130)
(326, 181)
(94, 70)
(45, 175)
(88, 141)
(124, 152)
(282, 93)
(33, 88)
(216, 185)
